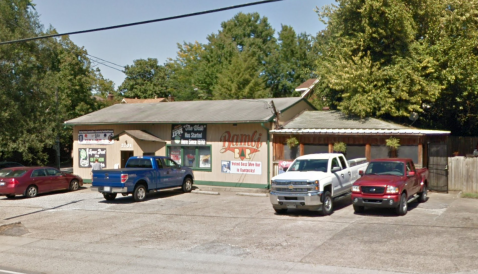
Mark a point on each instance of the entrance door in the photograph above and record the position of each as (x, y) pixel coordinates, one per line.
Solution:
(438, 167)
(124, 157)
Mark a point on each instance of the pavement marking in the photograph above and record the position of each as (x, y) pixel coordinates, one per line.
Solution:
(205, 192)
(10, 272)
(252, 194)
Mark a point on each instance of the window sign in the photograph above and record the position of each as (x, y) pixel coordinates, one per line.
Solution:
(241, 167)
(175, 154)
(95, 137)
(88, 156)
(189, 134)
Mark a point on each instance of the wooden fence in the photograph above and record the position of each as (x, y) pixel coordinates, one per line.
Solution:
(463, 174)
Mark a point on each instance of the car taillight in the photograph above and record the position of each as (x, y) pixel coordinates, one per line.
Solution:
(13, 182)
(124, 178)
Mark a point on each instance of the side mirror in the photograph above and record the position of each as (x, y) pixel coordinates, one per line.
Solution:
(335, 169)
(361, 172)
(411, 173)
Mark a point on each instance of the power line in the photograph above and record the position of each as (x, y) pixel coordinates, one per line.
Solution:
(142, 22)
(95, 61)
(105, 61)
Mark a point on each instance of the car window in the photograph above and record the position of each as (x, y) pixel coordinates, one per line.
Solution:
(342, 161)
(158, 162)
(53, 172)
(170, 163)
(8, 173)
(309, 165)
(38, 173)
(139, 163)
(335, 163)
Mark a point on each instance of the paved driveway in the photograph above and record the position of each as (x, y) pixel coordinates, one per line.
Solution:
(172, 232)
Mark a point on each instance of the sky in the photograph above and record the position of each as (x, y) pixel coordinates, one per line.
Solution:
(159, 40)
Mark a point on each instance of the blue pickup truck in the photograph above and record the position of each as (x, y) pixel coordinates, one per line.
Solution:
(142, 175)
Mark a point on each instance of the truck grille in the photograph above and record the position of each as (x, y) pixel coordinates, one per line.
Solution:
(373, 189)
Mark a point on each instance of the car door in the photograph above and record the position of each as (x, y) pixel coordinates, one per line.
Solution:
(338, 176)
(162, 174)
(347, 174)
(412, 181)
(172, 172)
(39, 179)
(56, 178)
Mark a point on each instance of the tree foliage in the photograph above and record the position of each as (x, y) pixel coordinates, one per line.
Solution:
(42, 84)
(389, 58)
(145, 79)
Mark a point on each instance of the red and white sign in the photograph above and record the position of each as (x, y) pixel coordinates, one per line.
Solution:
(243, 167)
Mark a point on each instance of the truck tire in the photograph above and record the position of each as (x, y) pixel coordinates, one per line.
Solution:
(402, 206)
(359, 209)
(187, 184)
(423, 196)
(280, 210)
(327, 206)
(109, 196)
(139, 193)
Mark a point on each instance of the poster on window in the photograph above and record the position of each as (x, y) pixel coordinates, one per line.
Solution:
(241, 167)
(175, 155)
(95, 137)
(189, 134)
(205, 161)
(284, 165)
(89, 155)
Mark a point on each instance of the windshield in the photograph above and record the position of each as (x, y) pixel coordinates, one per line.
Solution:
(139, 163)
(385, 168)
(8, 173)
(309, 165)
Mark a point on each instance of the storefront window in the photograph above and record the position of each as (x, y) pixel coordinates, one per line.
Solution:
(175, 154)
(189, 156)
(196, 157)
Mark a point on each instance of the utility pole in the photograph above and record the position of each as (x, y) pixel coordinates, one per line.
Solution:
(57, 124)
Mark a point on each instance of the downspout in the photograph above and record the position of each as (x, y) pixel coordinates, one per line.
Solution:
(268, 157)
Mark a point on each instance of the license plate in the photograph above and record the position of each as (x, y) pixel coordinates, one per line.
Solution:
(291, 206)
(2, 183)
(107, 188)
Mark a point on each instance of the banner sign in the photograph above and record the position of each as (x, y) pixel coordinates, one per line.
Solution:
(95, 137)
(88, 155)
(284, 165)
(188, 134)
(241, 167)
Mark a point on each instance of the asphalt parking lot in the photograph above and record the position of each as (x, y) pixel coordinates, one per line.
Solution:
(172, 232)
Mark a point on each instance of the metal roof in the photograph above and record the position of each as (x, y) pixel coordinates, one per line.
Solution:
(218, 111)
(140, 135)
(334, 122)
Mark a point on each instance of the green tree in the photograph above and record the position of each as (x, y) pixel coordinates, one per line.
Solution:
(145, 79)
(241, 80)
(373, 62)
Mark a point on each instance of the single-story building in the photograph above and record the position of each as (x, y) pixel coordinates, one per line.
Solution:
(226, 142)
(318, 131)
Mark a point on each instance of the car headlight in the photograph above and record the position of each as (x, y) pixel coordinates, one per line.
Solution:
(355, 188)
(392, 190)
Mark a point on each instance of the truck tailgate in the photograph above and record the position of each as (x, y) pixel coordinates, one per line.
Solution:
(107, 178)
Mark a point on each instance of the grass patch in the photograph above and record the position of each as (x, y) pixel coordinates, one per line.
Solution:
(469, 195)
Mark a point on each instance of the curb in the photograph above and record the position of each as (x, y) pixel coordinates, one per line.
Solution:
(253, 194)
(205, 192)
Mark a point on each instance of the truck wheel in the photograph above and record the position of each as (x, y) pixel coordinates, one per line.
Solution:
(423, 195)
(280, 210)
(74, 185)
(402, 206)
(359, 209)
(109, 196)
(31, 192)
(187, 185)
(327, 207)
(139, 193)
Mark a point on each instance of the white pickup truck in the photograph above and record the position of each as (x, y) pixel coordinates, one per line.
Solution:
(313, 181)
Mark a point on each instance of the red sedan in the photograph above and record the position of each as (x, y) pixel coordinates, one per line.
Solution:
(29, 181)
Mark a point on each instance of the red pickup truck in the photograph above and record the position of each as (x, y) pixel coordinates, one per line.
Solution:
(390, 183)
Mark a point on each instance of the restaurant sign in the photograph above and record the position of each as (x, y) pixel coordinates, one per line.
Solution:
(242, 145)
(188, 134)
